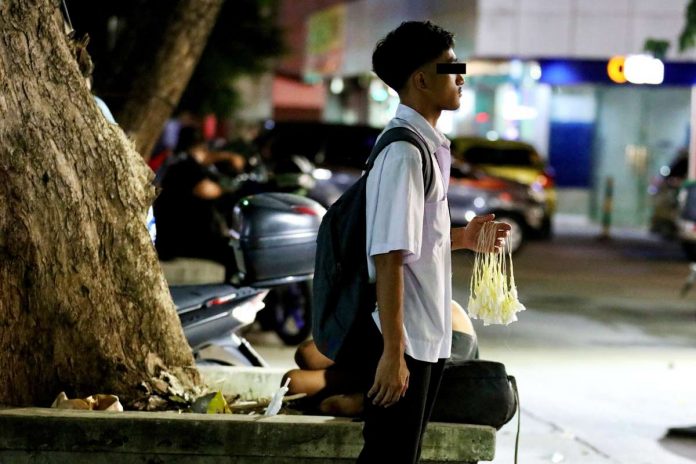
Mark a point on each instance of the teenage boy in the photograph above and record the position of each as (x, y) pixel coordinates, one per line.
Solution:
(409, 243)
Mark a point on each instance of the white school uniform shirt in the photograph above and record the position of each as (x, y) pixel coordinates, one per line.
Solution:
(400, 216)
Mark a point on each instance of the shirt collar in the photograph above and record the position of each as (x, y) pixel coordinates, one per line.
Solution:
(433, 137)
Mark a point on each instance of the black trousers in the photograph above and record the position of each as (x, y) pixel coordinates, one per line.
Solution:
(393, 434)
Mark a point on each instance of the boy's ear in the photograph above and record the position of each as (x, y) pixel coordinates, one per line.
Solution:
(419, 80)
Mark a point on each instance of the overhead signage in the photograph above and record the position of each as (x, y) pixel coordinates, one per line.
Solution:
(636, 69)
(326, 35)
(578, 72)
(615, 69)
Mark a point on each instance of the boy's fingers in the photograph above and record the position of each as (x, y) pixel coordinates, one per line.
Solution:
(393, 399)
(386, 401)
(484, 218)
(379, 397)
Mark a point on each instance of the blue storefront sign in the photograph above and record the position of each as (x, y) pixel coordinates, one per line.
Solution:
(574, 72)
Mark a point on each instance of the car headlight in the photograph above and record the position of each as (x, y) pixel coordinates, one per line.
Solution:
(469, 215)
(537, 193)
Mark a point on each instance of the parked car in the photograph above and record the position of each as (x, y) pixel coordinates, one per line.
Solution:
(664, 190)
(513, 160)
(472, 192)
(339, 152)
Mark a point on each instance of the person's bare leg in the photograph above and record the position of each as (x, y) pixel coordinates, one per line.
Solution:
(313, 382)
(306, 381)
(349, 405)
(311, 377)
(461, 321)
(314, 376)
(307, 356)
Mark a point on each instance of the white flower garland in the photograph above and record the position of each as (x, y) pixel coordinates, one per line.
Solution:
(492, 291)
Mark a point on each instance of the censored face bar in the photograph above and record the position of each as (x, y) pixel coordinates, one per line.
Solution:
(451, 68)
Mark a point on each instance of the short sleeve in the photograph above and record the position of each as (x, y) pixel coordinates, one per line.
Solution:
(395, 202)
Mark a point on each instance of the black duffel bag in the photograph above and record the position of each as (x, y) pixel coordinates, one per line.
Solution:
(476, 392)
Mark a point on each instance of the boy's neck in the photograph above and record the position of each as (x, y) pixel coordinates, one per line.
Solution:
(423, 108)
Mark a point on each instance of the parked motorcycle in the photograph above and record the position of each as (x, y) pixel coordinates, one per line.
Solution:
(288, 304)
(274, 242)
(213, 316)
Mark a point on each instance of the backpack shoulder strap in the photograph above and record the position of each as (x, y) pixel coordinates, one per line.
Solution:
(404, 134)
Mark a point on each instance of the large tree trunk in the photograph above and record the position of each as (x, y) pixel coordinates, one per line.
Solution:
(157, 88)
(84, 306)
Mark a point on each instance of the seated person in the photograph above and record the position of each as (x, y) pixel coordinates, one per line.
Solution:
(333, 391)
(190, 210)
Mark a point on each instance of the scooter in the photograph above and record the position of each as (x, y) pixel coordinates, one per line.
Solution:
(288, 305)
(273, 236)
(212, 317)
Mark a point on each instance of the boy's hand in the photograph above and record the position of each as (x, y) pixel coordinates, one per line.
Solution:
(391, 380)
(467, 237)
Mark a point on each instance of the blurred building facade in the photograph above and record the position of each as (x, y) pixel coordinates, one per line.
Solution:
(537, 71)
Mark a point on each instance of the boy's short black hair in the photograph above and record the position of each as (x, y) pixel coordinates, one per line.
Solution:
(407, 48)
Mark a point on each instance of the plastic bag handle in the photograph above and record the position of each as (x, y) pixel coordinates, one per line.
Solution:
(513, 382)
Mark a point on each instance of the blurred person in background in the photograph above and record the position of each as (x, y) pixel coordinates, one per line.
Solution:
(192, 206)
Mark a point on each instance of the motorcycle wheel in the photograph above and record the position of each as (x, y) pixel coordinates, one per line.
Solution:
(290, 309)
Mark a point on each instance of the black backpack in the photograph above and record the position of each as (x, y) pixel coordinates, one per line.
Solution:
(342, 287)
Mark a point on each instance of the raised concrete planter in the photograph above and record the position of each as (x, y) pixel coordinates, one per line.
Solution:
(40, 435)
(249, 382)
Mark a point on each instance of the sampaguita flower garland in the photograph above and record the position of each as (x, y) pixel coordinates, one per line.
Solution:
(492, 291)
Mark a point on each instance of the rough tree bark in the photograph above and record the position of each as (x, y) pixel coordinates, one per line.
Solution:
(158, 87)
(84, 306)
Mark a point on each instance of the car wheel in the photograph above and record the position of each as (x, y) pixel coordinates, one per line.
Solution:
(516, 238)
(546, 231)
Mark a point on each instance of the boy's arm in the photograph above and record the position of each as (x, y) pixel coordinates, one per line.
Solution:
(391, 377)
(467, 237)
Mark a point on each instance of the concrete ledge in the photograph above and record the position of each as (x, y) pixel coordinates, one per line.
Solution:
(41, 435)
